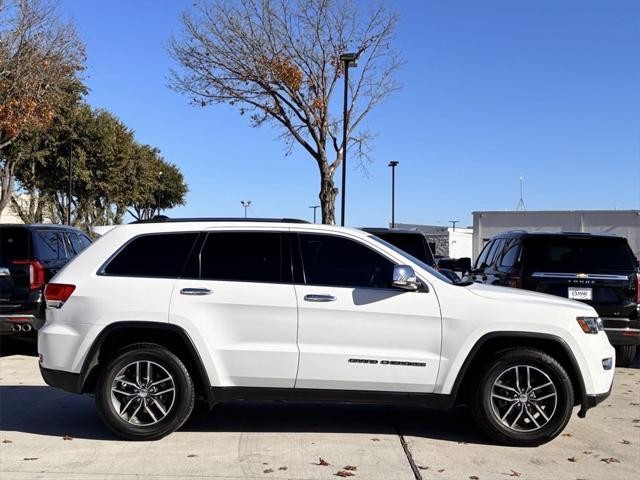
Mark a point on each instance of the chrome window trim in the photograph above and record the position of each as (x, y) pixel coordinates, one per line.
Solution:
(580, 276)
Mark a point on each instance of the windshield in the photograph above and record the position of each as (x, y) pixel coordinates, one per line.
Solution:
(414, 244)
(415, 260)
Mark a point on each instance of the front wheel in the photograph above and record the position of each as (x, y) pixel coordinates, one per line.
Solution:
(524, 398)
(144, 393)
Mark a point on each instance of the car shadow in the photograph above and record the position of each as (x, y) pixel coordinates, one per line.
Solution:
(43, 410)
(18, 346)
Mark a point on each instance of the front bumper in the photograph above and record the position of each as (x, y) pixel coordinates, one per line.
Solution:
(68, 381)
(591, 401)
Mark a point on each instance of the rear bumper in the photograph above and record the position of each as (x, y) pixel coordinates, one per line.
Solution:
(623, 336)
(68, 381)
(21, 323)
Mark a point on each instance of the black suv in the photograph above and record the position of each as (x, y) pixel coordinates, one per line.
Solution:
(600, 270)
(29, 256)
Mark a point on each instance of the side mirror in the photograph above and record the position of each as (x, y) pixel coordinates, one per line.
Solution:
(448, 263)
(463, 264)
(405, 277)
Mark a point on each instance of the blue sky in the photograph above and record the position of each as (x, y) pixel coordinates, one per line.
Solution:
(491, 90)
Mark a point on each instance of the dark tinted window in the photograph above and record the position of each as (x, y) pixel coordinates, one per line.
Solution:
(157, 255)
(413, 244)
(74, 238)
(511, 253)
(495, 248)
(578, 254)
(49, 244)
(244, 257)
(330, 260)
(84, 241)
(483, 255)
(14, 244)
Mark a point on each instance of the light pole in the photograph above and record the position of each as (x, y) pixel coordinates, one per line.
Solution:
(350, 60)
(315, 207)
(246, 205)
(453, 222)
(158, 196)
(393, 164)
(70, 186)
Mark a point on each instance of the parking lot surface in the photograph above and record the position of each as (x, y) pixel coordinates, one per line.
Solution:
(49, 434)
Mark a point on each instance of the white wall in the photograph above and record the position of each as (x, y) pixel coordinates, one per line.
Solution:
(460, 242)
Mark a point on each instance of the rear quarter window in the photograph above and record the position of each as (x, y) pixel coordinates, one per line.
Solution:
(154, 255)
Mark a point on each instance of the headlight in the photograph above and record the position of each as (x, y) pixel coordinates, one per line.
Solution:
(590, 324)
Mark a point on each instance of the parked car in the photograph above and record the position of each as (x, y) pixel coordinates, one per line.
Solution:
(156, 315)
(599, 270)
(29, 256)
(415, 244)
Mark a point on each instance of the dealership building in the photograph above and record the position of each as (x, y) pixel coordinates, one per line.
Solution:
(624, 223)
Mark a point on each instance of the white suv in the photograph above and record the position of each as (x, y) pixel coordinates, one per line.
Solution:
(156, 315)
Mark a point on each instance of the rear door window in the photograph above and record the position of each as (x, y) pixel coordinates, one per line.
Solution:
(578, 254)
(160, 255)
(245, 257)
(49, 244)
(480, 262)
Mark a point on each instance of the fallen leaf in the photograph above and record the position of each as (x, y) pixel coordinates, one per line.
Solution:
(67, 438)
(423, 467)
(610, 460)
(441, 470)
(625, 442)
(634, 404)
(283, 468)
(514, 473)
(6, 441)
(268, 470)
(587, 452)
(353, 468)
(344, 473)
(474, 477)
(191, 456)
(572, 459)
(30, 458)
(322, 462)
(375, 439)
(567, 434)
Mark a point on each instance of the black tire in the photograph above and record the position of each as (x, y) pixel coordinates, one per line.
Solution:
(625, 355)
(180, 406)
(486, 412)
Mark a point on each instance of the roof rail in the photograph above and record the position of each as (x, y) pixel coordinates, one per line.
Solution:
(164, 218)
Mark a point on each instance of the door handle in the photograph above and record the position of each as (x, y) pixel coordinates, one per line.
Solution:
(319, 298)
(195, 291)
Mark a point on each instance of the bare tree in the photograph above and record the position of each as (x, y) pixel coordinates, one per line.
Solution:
(39, 58)
(278, 60)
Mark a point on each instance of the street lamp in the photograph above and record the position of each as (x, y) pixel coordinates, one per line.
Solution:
(315, 207)
(350, 60)
(393, 164)
(246, 205)
(158, 196)
(70, 186)
(453, 222)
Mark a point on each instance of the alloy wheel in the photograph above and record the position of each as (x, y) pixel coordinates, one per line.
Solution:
(524, 398)
(143, 393)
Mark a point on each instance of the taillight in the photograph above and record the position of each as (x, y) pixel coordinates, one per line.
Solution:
(56, 294)
(36, 273)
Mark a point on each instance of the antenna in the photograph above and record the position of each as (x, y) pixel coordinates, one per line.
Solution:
(521, 206)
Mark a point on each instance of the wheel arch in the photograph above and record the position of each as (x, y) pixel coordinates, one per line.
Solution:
(491, 343)
(120, 334)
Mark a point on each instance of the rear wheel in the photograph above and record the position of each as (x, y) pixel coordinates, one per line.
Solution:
(524, 398)
(625, 355)
(144, 393)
